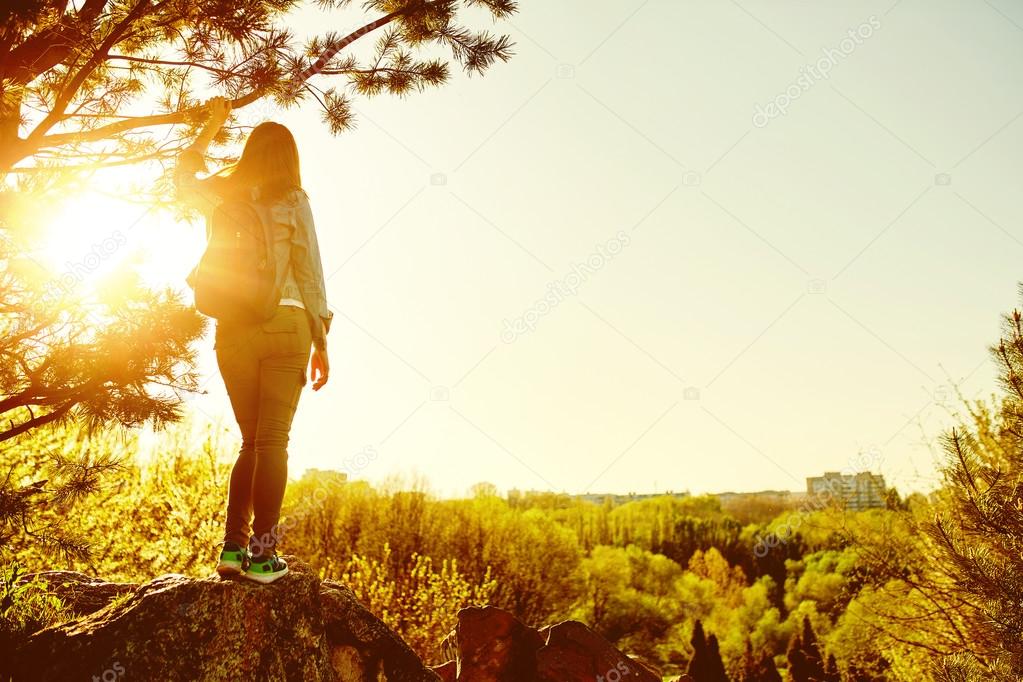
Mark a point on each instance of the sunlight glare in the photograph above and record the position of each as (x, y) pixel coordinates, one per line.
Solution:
(93, 235)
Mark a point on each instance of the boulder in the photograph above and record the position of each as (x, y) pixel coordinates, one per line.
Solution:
(575, 653)
(448, 671)
(82, 594)
(175, 628)
(491, 645)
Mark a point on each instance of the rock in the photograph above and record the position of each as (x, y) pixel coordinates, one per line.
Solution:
(575, 653)
(174, 628)
(649, 667)
(82, 594)
(491, 645)
(349, 624)
(448, 672)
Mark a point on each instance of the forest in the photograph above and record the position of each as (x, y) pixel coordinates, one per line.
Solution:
(926, 588)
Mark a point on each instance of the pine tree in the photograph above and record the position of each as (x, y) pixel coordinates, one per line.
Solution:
(757, 668)
(715, 666)
(831, 673)
(767, 671)
(979, 530)
(699, 664)
(806, 664)
(811, 651)
(86, 63)
(748, 665)
(706, 664)
(799, 671)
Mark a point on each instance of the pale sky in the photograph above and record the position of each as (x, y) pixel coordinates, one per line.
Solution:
(793, 292)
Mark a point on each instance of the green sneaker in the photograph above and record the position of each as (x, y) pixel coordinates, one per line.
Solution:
(233, 560)
(266, 569)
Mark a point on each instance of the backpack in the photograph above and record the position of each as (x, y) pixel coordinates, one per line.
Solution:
(235, 279)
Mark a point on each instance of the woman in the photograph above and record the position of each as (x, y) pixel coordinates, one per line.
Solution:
(263, 365)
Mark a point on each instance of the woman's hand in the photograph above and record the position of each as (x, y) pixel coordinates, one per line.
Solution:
(219, 108)
(319, 368)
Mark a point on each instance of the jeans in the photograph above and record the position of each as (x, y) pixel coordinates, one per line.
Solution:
(264, 370)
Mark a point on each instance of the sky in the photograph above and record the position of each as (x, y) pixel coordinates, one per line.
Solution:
(703, 246)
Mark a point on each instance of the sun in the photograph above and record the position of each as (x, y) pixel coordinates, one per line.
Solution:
(86, 237)
(93, 235)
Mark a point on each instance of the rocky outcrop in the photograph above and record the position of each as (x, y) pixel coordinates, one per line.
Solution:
(174, 628)
(80, 593)
(491, 645)
(177, 629)
(575, 653)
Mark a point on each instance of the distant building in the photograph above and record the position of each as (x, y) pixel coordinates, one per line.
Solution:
(781, 496)
(616, 499)
(328, 476)
(857, 492)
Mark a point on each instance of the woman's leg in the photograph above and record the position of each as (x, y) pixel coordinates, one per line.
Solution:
(286, 343)
(239, 367)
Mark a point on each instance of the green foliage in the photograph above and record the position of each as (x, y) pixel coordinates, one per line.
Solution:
(921, 589)
(75, 365)
(632, 597)
(25, 606)
(978, 532)
(51, 474)
(415, 599)
(416, 559)
(113, 357)
(533, 558)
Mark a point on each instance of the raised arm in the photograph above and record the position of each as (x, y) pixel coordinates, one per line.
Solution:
(193, 159)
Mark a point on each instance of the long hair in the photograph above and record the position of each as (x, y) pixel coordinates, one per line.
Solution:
(269, 163)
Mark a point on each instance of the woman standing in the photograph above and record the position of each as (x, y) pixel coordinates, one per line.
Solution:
(264, 364)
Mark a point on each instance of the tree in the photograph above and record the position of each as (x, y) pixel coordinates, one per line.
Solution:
(767, 671)
(71, 71)
(98, 361)
(65, 468)
(799, 671)
(811, 651)
(806, 664)
(831, 673)
(706, 664)
(716, 667)
(698, 664)
(125, 357)
(979, 529)
(756, 668)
